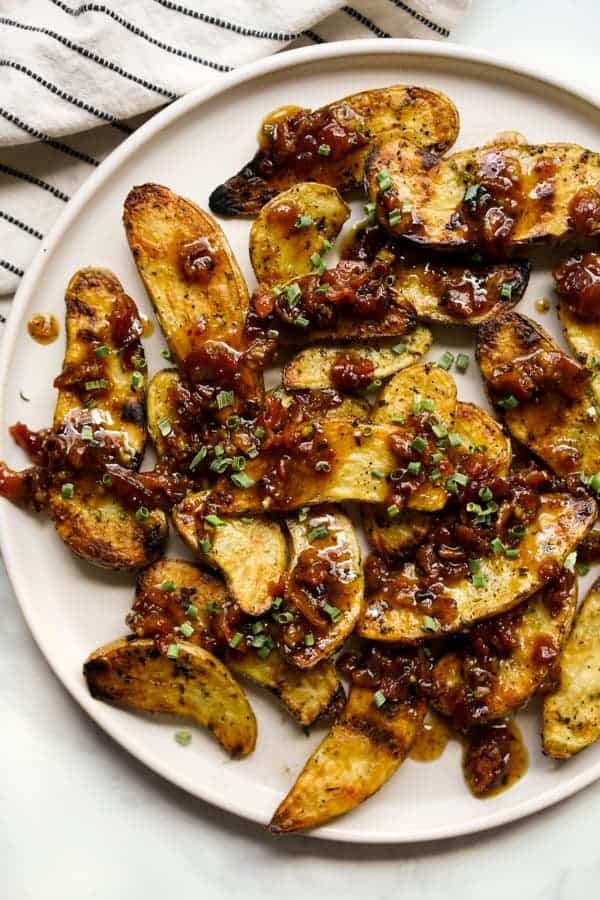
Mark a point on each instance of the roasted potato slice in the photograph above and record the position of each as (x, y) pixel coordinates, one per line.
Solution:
(173, 592)
(577, 279)
(195, 684)
(572, 713)
(397, 537)
(503, 661)
(162, 409)
(423, 382)
(561, 522)
(325, 585)
(307, 694)
(553, 404)
(100, 404)
(360, 753)
(312, 367)
(359, 450)
(343, 131)
(192, 278)
(479, 432)
(251, 554)
(291, 228)
(508, 196)
(583, 337)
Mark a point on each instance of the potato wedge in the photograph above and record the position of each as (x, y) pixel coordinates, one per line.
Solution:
(292, 227)
(195, 684)
(251, 554)
(101, 320)
(360, 753)
(325, 585)
(582, 336)
(312, 367)
(308, 694)
(561, 522)
(478, 682)
(347, 129)
(358, 450)
(192, 278)
(508, 196)
(561, 424)
(572, 713)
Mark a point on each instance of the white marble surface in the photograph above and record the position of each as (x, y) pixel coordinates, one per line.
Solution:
(81, 819)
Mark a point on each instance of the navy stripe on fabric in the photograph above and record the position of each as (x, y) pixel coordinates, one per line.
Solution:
(314, 36)
(227, 25)
(355, 14)
(58, 92)
(422, 19)
(88, 54)
(11, 268)
(134, 29)
(41, 136)
(18, 224)
(31, 179)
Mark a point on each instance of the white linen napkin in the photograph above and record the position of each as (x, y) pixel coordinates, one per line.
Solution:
(67, 67)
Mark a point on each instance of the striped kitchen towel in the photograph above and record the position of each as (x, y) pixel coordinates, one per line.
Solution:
(77, 77)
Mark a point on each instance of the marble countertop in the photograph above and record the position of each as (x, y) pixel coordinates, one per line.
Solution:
(79, 818)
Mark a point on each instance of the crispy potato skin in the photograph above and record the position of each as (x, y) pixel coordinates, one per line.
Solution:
(251, 555)
(358, 450)
(538, 634)
(560, 430)
(561, 522)
(425, 116)
(94, 524)
(162, 228)
(279, 249)
(311, 368)
(360, 753)
(572, 714)
(548, 178)
(196, 685)
(342, 551)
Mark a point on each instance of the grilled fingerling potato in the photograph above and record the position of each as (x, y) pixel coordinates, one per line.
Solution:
(195, 684)
(503, 196)
(100, 405)
(334, 141)
(360, 753)
(572, 713)
(393, 614)
(294, 226)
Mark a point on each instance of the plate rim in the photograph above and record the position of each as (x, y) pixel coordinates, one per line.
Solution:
(402, 47)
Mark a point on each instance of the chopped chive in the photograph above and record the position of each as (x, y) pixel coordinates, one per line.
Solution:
(233, 422)
(99, 384)
(317, 533)
(86, 433)
(461, 479)
(413, 468)
(219, 450)
(569, 563)
(406, 207)
(67, 490)
(238, 464)
(204, 545)
(303, 513)
(327, 245)
(164, 426)
(283, 618)
(369, 209)
(474, 565)
(516, 532)
(595, 483)
(479, 579)
(186, 629)
(462, 362)
(137, 380)
(309, 639)
(374, 385)
(419, 444)
(332, 611)
(399, 349)
(445, 361)
(511, 553)
(220, 465)
(439, 430)
(101, 351)
(200, 455)
(394, 217)
(497, 546)
(224, 399)
(265, 651)
(508, 402)
(184, 738)
(106, 480)
(379, 699)
(259, 432)
(430, 623)
(485, 494)
(582, 568)
(397, 420)
(435, 458)
(168, 585)
(293, 294)
(322, 466)
(142, 513)
(192, 611)
(324, 150)
(377, 473)
(302, 322)
(241, 480)
(277, 601)
(215, 521)
(304, 222)
(384, 180)
(236, 639)
(471, 193)
(173, 651)
(506, 291)
(427, 405)
(23, 397)
(454, 439)
(140, 362)
(166, 354)
(317, 263)
(393, 510)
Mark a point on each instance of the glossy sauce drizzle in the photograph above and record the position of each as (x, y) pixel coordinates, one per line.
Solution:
(495, 757)
(147, 327)
(43, 328)
(431, 740)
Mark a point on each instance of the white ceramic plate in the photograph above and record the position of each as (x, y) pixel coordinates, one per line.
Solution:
(72, 608)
